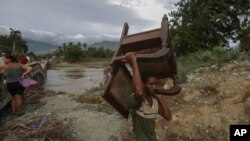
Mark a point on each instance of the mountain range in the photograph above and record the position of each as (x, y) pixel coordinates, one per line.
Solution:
(112, 45)
(42, 47)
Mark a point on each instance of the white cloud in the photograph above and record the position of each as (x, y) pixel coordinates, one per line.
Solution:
(126, 3)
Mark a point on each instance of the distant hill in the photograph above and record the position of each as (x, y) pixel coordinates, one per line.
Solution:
(106, 44)
(40, 47)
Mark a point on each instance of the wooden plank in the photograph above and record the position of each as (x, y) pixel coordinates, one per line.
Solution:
(118, 90)
(143, 36)
(124, 33)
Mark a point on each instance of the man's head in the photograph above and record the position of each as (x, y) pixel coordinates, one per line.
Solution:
(149, 81)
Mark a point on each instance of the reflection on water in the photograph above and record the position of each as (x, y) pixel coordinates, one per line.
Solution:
(73, 80)
(74, 73)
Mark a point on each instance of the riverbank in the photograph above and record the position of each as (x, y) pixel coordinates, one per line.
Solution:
(104, 63)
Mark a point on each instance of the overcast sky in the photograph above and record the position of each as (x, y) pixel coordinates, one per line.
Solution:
(58, 21)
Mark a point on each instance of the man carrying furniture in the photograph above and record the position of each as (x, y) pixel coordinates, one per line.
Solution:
(145, 104)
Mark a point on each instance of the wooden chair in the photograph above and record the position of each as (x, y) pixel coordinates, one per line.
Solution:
(154, 53)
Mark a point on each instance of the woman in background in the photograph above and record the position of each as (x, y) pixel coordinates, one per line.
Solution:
(13, 72)
(23, 59)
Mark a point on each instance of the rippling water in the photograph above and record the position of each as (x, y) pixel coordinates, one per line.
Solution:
(73, 80)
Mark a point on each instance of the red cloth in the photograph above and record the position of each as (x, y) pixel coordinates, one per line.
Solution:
(23, 60)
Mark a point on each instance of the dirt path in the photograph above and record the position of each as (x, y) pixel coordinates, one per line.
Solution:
(88, 123)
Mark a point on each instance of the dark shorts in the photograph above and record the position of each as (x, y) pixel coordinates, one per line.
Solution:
(15, 88)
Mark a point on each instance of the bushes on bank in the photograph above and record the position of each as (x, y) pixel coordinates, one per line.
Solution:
(217, 55)
(75, 52)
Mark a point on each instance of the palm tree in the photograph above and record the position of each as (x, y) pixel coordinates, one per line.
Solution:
(14, 36)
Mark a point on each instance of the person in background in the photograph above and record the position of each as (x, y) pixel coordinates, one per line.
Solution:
(145, 104)
(23, 59)
(13, 72)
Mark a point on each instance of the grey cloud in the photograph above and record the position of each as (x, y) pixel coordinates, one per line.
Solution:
(4, 30)
(70, 20)
(69, 17)
(169, 4)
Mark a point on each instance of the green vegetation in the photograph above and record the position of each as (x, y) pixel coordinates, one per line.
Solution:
(200, 32)
(202, 25)
(76, 52)
(245, 40)
(72, 52)
(201, 58)
(32, 55)
(13, 43)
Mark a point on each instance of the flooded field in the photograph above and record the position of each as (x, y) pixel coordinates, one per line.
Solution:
(73, 80)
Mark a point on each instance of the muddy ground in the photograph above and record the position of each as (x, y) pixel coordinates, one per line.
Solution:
(213, 98)
(77, 120)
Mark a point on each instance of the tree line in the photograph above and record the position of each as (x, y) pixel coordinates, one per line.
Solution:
(75, 52)
(13, 43)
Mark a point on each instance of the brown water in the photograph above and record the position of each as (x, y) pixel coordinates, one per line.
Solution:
(73, 80)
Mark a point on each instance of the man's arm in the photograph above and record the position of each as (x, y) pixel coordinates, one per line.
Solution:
(27, 69)
(137, 81)
(166, 111)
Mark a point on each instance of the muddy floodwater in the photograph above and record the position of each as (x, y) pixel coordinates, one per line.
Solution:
(73, 80)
